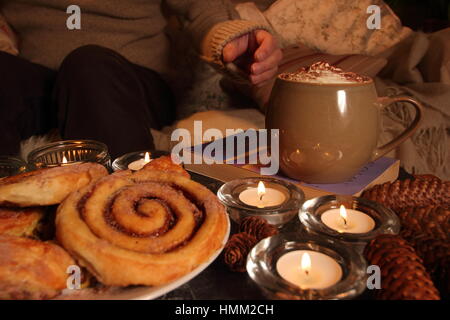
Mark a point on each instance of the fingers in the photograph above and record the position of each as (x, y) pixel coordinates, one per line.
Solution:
(272, 61)
(264, 52)
(235, 48)
(267, 44)
(261, 79)
(267, 57)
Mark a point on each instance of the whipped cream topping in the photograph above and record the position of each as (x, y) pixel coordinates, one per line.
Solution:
(323, 73)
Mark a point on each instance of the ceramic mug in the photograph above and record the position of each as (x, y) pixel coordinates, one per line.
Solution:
(328, 132)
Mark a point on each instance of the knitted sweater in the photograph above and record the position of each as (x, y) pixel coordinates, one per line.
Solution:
(133, 28)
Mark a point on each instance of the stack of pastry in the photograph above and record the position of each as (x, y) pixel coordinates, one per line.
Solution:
(129, 228)
(30, 268)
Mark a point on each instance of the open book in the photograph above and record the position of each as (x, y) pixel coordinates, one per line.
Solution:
(376, 172)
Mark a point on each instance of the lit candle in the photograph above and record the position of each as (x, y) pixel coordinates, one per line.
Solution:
(309, 269)
(262, 197)
(65, 162)
(348, 220)
(140, 163)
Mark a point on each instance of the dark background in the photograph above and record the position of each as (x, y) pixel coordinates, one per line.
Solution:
(423, 15)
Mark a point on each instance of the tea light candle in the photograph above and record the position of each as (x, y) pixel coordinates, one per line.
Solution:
(65, 162)
(347, 220)
(309, 269)
(140, 163)
(262, 197)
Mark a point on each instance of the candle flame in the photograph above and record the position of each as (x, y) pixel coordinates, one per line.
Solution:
(306, 263)
(261, 190)
(343, 214)
(147, 157)
(64, 159)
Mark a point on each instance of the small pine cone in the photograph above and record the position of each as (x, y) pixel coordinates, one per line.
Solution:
(436, 258)
(403, 276)
(411, 193)
(257, 227)
(430, 221)
(237, 249)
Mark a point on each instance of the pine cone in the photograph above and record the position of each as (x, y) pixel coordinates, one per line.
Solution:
(436, 259)
(403, 276)
(411, 193)
(431, 221)
(237, 249)
(257, 227)
(426, 177)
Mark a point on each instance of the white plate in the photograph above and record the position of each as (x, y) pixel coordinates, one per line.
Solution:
(142, 292)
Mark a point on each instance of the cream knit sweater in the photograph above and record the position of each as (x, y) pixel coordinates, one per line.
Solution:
(134, 28)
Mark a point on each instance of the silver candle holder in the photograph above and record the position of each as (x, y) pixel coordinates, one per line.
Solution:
(122, 162)
(311, 214)
(278, 215)
(69, 152)
(10, 166)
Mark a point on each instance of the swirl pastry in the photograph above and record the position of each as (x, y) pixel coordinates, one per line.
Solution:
(31, 269)
(47, 186)
(21, 222)
(144, 228)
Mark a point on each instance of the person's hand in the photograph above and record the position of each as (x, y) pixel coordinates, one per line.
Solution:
(256, 53)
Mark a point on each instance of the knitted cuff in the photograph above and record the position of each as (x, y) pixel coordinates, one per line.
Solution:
(220, 35)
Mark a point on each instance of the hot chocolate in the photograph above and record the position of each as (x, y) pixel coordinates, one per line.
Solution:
(329, 123)
(323, 73)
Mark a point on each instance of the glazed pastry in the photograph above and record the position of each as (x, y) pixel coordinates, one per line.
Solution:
(31, 269)
(47, 186)
(144, 228)
(21, 222)
(165, 164)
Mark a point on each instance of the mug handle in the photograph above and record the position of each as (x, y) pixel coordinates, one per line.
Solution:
(383, 102)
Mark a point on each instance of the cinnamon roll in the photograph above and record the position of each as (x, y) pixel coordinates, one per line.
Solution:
(21, 222)
(31, 269)
(144, 228)
(47, 186)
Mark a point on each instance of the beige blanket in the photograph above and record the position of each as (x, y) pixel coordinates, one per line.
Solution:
(420, 67)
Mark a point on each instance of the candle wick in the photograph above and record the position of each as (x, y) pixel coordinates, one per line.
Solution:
(260, 197)
(307, 272)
